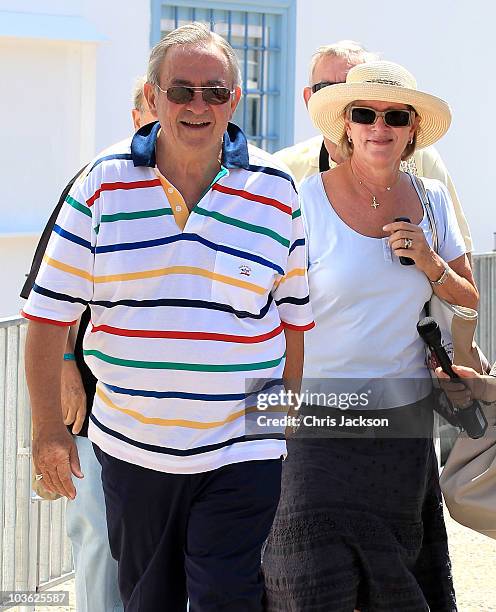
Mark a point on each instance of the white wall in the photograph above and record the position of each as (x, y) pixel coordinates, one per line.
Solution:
(121, 57)
(15, 254)
(449, 45)
(62, 102)
(120, 60)
(42, 134)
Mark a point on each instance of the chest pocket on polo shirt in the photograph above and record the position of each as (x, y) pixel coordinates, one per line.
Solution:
(241, 283)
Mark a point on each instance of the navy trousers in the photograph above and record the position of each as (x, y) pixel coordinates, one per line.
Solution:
(190, 536)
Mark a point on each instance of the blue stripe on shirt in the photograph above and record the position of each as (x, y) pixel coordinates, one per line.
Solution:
(177, 452)
(73, 237)
(190, 238)
(204, 397)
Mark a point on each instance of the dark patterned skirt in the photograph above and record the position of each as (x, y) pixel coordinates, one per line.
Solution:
(359, 525)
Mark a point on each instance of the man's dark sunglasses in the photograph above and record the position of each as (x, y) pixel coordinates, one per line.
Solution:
(368, 116)
(323, 84)
(182, 94)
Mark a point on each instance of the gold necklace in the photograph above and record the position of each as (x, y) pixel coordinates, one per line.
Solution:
(374, 204)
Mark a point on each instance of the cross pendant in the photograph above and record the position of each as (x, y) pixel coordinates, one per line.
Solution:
(375, 203)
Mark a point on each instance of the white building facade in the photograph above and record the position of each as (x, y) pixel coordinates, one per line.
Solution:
(68, 69)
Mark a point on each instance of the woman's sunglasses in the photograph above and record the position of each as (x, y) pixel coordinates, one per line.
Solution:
(181, 94)
(368, 116)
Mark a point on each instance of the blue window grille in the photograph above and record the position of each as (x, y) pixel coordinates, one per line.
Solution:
(263, 37)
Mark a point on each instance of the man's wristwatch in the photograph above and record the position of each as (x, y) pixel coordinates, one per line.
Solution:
(442, 279)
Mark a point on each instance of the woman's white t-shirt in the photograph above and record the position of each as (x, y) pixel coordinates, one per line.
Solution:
(366, 305)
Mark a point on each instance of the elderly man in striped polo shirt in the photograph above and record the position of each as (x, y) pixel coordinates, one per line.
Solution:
(188, 246)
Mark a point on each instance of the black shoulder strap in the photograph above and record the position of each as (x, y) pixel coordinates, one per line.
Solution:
(323, 158)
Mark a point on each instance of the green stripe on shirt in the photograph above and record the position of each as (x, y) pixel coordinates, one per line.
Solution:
(140, 214)
(257, 229)
(78, 206)
(193, 367)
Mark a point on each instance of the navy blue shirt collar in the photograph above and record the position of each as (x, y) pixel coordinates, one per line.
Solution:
(234, 147)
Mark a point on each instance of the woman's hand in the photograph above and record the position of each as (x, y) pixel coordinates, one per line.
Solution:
(458, 285)
(472, 386)
(408, 240)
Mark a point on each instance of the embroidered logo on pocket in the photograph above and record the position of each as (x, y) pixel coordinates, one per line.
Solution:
(241, 283)
(245, 270)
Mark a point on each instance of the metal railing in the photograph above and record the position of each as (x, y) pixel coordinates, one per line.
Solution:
(484, 266)
(35, 553)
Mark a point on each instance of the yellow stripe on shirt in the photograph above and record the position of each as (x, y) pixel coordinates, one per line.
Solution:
(290, 274)
(176, 422)
(55, 263)
(186, 270)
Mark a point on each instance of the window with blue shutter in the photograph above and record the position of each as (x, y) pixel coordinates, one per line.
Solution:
(263, 36)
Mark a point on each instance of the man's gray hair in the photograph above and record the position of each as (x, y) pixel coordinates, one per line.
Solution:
(191, 34)
(138, 95)
(349, 50)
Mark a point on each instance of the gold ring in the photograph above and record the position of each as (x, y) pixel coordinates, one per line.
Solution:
(408, 243)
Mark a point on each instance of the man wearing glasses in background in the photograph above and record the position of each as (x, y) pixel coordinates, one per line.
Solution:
(330, 65)
(188, 246)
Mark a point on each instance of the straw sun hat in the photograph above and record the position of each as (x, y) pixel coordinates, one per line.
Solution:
(385, 82)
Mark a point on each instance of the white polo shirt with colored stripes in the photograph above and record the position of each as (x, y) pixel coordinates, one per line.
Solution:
(185, 311)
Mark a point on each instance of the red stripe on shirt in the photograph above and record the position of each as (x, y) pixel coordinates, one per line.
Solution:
(182, 335)
(253, 197)
(120, 185)
(49, 321)
(300, 328)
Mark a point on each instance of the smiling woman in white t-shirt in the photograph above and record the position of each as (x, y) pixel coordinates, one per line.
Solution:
(360, 523)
